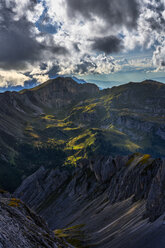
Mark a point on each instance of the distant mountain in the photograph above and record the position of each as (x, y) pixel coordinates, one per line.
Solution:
(75, 122)
(159, 79)
(33, 83)
(79, 81)
(27, 85)
(12, 88)
(105, 84)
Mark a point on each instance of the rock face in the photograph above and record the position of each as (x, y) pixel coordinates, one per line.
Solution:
(20, 227)
(104, 194)
(138, 176)
(156, 198)
(135, 96)
(60, 92)
(138, 110)
(41, 185)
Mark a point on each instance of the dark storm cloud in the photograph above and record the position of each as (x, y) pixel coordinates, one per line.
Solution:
(108, 44)
(159, 7)
(113, 12)
(163, 63)
(43, 66)
(154, 24)
(158, 23)
(54, 70)
(18, 44)
(84, 67)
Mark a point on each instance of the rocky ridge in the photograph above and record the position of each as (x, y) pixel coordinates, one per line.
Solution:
(128, 188)
(21, 227)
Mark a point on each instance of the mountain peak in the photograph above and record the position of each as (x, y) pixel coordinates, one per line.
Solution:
(59, 92)
(151, 82)
(146, 82)
(61, 82)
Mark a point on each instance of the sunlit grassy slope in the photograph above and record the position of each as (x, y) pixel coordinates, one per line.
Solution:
(117, 121)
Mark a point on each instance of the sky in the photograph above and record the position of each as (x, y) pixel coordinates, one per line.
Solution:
(102, 41)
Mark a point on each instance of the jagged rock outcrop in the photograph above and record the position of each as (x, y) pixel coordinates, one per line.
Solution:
(130, 187)
(20, 227)
(41, 185)
(105, 194)
(156, 198)
(138, 176)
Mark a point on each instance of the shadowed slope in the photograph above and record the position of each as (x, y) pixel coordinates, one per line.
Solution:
(76, 121)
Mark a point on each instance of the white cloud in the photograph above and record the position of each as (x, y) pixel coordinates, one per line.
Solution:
(41, 78)
(21, 8)
(77, 35)
(82, 31)
(159, 57)
(12, 78)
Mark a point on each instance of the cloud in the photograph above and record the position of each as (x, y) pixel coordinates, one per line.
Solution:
(84, 67)
(136, 64)
(41, 38)
(150, 32)
(18, 46)
(41, 78)
(113, 13)
(12, 78)
(91, 64)
(20, 42)
(54, 70)
(110, 44)
(159, 57)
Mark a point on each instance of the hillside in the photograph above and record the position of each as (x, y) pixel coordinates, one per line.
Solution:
(89, 161)
(105, 202)
(62, 122)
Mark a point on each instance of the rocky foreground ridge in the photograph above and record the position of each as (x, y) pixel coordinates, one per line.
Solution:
(22, 228)
(119, 201)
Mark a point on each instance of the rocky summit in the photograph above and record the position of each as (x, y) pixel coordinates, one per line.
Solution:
(90, 162)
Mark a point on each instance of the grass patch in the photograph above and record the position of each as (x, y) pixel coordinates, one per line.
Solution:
(145, 159)
(14, 202)
(138, 159)
(73, 235)
(48, 117)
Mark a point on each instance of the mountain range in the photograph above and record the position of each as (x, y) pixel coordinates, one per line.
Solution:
(89, 161)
